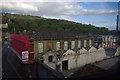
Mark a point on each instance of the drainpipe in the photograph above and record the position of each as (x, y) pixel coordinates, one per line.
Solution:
(117, 45)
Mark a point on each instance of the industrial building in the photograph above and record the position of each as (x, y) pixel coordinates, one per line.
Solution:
(63, 50)
(50, 45)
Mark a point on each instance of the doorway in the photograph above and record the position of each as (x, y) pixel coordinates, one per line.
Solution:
(58, 68)
(65, 65)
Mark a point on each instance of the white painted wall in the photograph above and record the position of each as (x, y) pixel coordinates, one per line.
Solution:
(84, 57)
(46, 60)
(117, 52)
(81, 58)
(72, 63)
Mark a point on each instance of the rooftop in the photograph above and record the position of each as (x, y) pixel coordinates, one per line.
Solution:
(46, 34)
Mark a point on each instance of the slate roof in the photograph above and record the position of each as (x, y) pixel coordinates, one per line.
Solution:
(46, 34)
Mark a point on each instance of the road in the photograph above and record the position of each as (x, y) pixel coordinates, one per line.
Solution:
(12, 66)
(107, 70)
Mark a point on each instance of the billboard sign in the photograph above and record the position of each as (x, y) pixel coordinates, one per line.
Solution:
(25, 55)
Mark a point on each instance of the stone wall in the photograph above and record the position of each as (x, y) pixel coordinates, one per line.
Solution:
(46, 59)
(78, 59)
(83, 56)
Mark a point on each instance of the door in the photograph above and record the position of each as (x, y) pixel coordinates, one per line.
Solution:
(58, 68)
(65, 65)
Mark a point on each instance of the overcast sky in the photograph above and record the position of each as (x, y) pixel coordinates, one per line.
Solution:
(100, 14)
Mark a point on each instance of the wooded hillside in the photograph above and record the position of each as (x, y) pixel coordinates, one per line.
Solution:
(19, 23)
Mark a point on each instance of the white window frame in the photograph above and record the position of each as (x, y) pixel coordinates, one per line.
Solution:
(57, 45)
(85, 43)
(65, 45)
(109, 38)
(79, 44)
(90, 43)
(103, 39)
(40, 47)
(72, 44)
(106, 38)
(114, 39)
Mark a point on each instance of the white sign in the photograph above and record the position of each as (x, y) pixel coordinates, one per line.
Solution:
(25, 55)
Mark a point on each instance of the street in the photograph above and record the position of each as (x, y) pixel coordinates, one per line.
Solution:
(12, 66)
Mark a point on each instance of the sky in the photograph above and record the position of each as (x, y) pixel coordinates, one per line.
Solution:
(100, 14)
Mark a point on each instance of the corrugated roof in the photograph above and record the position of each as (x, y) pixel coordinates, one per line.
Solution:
(21, 38)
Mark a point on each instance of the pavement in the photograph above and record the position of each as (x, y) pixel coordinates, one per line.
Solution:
(12, 66)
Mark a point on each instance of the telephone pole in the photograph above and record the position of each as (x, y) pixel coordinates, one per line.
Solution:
(118, 26)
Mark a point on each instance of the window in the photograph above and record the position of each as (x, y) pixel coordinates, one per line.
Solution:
(114, 39)
(41, 59)
(79, 44)
(57, 46)
(72, 44)
(85, 43)
(109, 38)
(103, 39)
(90, 43)
(58, 57)
(50, 58)
(65, 45)
(106, 38)
(40, 47)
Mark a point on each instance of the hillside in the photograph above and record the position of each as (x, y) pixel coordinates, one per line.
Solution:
(19, 23)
